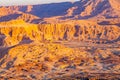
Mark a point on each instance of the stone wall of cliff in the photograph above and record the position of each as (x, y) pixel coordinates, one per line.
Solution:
(12, 34)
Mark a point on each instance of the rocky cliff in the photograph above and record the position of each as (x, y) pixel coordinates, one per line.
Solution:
(15, 32)
(65, 41)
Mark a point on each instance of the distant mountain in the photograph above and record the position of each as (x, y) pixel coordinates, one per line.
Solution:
(92, 8)
(62, 41)
(44, 10)
(83, 9)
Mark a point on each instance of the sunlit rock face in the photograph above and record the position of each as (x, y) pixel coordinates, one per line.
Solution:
(69, 31)
(49, 60)
(115, 4)
(64, 41)
(85, 9)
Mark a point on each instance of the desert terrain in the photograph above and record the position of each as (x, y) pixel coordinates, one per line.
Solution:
(73, 41)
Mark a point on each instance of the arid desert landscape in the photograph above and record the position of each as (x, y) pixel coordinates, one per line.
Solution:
(60, 41)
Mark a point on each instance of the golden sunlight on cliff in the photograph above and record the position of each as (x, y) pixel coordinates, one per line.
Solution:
(61, 41)
(20, 31)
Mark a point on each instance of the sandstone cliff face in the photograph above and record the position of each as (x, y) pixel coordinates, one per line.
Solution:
(17, 31)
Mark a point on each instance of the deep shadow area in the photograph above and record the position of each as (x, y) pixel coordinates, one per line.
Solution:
(50, 10)
(3, 51)
(9, 17)
(25, 40)
(77, 29)
(108, 23)
(2, 37)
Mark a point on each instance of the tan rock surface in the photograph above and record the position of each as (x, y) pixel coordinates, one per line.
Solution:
(65, 41)
(17, 31)
(49, 61)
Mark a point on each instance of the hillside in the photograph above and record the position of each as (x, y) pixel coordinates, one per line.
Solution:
(83, 9)
(55, 61)
(18, 31)
(60, 41)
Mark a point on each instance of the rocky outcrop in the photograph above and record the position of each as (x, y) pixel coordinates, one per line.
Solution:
(49, 61)
(59, 45)
(16, 31)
